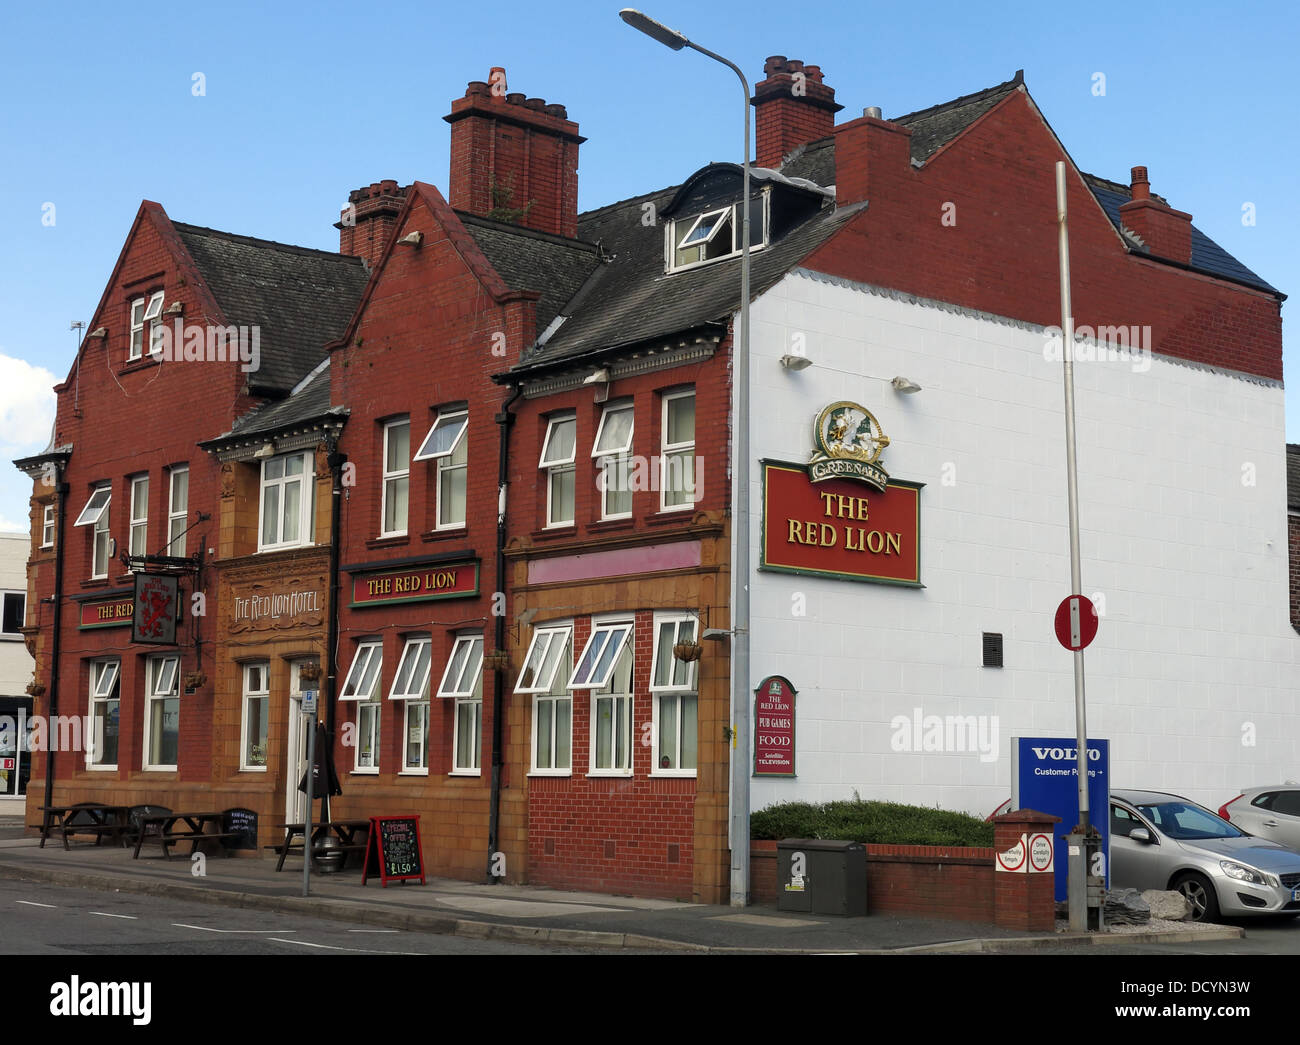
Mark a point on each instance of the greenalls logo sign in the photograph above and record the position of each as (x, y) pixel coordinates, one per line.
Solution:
(848, 443)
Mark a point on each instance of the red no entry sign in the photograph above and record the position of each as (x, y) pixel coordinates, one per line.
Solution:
(1076, 622)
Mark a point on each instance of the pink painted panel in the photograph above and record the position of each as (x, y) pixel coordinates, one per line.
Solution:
(591, 565)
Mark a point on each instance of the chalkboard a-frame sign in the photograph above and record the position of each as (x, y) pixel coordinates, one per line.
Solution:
(393, 850)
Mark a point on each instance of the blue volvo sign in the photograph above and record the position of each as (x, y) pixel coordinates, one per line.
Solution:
(1044, 773)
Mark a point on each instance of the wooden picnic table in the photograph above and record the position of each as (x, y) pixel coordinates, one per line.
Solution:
(84, 818)
(345, 831)
(171, 828)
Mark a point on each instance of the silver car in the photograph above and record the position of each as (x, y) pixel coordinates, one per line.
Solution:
(1268, 812)
(1162, 841)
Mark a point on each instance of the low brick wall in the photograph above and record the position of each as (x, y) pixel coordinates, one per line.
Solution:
(931, 880)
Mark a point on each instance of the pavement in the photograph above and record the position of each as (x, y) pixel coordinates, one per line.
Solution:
(525, 913)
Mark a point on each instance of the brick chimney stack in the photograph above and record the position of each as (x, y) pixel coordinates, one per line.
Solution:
(1166, 232)
(514, 158)
(793, 107)
(369, 219)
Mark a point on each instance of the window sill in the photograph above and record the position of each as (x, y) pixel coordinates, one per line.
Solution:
(559, 530)
(466, 772)
(414, 772)
(102, 769)
(675, 774)
(158, 769)
(143, 363)
(95, 582)
(553, 773)
(610, 774)
(623, 522)
(670, 515)
(392, 540)
(364, 772)
(252, 769)
(450, 531)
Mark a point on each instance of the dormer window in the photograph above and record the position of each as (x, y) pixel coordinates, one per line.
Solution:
(714, 235)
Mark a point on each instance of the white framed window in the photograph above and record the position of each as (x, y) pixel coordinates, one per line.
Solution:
(178, 509)
(395, 493)
(105, 715)
(415, 749)
(545, 674)
(448, 444)
(140, 515)
(286, 503)
(462, 681)
(715, 234)
(677, 462)
(255, 728)
(162, 708)
(673, 687)
(47, 526)
(559, 453)
(611, 448)
(137, 329)
(95, 514)
(611, 716)
(411, 681)
(362, 686)
(13, 613)
(600, 654)
(145, 312)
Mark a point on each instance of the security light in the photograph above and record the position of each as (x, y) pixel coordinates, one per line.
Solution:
(796, 362)
(902, 384)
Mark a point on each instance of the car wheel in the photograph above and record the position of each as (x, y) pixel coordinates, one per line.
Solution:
(1200, 896)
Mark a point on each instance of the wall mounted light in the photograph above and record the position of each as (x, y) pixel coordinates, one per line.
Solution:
(413, 239)
(98, 332)
(266, 450)
(902, 384)
(796, 362)
(174, 309)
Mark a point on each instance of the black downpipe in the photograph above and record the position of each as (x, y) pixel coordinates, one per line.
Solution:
(336, 461)
(506, 420)
(61, 495)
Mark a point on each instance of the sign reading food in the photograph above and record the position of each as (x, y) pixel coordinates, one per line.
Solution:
(415, 584)
(774, 727)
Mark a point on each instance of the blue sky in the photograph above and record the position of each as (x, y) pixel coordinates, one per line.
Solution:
(304, 102)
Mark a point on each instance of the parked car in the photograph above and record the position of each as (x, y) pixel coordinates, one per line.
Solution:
(1164, 841)
(1268, 812)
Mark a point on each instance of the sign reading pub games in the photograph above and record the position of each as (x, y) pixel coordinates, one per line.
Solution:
(818, 518)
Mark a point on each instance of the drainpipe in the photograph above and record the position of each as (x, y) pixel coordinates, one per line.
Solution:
(61, 496)
(336, 460)
(505, 419)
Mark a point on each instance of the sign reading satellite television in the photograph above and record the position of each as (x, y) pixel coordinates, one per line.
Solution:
(774, 727)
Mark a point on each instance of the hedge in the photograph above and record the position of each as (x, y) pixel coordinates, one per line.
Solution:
(881, 823)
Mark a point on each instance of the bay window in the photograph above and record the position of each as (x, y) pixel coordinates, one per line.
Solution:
(286, 503)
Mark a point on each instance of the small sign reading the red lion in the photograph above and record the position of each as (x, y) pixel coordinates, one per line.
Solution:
(774, 727)
(416, 583)
(155, 609)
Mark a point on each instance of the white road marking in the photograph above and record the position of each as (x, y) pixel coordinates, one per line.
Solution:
(105, 914)
(207, 929)
(355, 950)
(374, 930)
(32, 903)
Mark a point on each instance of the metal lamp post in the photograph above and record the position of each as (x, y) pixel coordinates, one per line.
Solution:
(740, 505)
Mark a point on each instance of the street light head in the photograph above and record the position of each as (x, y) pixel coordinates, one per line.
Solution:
(654, 30)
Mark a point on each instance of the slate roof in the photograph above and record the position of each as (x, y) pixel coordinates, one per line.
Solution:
(1207, 256)
(301, 298)
(311, 402)
(1293, 477)
(629, 299)
(531, 260)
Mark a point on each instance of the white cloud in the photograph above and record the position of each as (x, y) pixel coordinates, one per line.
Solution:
(26, 406)
(7, 525)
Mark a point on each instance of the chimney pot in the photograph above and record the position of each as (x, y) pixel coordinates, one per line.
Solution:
(558, 111)
(536, 104)
(1141, 184)
(516, 98)
(813, 72)
(477, 88)
(873, 111)
(787, 119)
(775, 64)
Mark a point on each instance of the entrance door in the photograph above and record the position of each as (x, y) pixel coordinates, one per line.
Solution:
(295, 801)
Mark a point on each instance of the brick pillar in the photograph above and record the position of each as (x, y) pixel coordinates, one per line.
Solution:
(1023, 899)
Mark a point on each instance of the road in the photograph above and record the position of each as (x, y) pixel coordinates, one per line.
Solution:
(36, 918)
